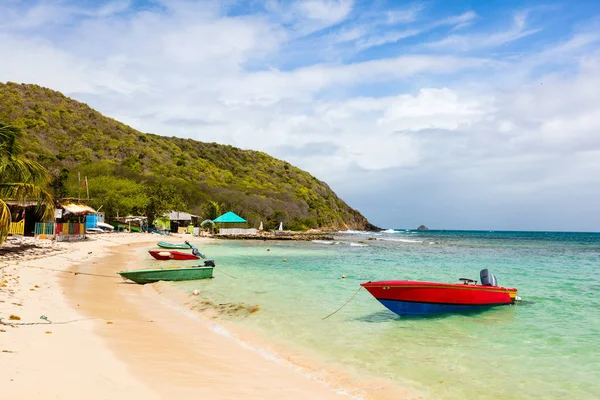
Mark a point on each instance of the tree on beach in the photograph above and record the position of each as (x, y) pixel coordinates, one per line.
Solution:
(162, 198)
(212, 209)
(20, 179)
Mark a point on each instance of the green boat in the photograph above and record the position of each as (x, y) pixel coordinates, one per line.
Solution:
(167, 274)
(167, 245)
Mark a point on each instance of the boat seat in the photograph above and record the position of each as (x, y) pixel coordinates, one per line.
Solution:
(487, 278)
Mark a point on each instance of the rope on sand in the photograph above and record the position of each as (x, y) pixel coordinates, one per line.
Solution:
(74, 272)
(344, 305)
(69, 258)
(48, 322)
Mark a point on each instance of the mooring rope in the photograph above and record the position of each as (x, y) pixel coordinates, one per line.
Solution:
(344, 305)
(73, 272)
(68, 258)
(48, 322)
(220, 270)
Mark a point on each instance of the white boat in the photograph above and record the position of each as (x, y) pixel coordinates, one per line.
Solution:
(105, 226)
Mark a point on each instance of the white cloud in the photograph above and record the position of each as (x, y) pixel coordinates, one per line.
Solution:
(432, 109)
(468, 42)
(309, 16)
(387, 37)
(404, 16)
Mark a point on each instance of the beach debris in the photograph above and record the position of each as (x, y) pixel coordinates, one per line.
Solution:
(284, 260)
(268, 249)
(36, 286)
(14, 317)
(48, 333)
(109, 323)
(343, 276)
(195, 292)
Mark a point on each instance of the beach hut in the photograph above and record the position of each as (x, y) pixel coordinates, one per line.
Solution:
(232, 224)
(70, 218)
(180, 221)
(24, 215)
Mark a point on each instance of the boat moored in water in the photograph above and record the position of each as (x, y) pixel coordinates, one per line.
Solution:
(166, 245)
(176, 255)
(424, 298)
(143, 276)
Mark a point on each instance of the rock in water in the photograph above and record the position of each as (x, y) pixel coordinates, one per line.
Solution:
(422, 228)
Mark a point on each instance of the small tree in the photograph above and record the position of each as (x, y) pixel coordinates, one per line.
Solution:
(162, 198)
(212, 209)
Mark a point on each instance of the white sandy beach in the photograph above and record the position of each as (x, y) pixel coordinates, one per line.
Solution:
(128, 341)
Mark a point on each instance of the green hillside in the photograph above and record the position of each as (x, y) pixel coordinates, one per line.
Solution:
(130, 172)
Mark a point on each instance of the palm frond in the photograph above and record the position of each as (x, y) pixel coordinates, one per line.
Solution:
(4, 221)
(18, 169)
(9, 136)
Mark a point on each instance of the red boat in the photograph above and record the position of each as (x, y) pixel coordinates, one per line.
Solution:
(423, 298)
(175, 255)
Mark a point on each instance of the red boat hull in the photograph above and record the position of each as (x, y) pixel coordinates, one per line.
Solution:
(420, 298)
(172, 255)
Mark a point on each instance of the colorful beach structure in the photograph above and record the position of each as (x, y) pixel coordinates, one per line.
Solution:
(24, 215)
(70, 222)
(232, 224)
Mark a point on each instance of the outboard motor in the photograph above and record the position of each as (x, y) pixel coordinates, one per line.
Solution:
(487, 278)
(197, 253)
(209, 263)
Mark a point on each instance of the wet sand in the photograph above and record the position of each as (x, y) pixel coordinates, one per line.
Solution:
(120, 340)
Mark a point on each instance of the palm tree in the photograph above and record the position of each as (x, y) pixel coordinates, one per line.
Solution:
(20, 179)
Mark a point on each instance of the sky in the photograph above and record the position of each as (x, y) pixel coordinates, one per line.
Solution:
(453, 114)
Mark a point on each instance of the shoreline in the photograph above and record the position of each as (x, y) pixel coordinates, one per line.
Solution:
(159, 346)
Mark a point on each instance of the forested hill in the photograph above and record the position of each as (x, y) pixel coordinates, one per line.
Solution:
(131, 172)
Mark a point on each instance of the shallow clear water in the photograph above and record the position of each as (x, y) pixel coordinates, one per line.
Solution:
(546, 347)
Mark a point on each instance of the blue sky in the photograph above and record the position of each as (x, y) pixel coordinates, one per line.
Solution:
(453, 114)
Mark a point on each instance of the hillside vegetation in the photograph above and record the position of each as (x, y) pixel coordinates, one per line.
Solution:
(130, 172)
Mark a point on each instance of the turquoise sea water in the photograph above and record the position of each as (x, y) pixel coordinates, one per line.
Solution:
(546, 347)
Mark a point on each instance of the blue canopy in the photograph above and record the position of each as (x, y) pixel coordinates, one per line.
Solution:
(229, 217)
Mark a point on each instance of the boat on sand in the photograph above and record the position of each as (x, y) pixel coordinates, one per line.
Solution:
(424, 298)
(176, 255)
(166, 245)
(143, 276)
